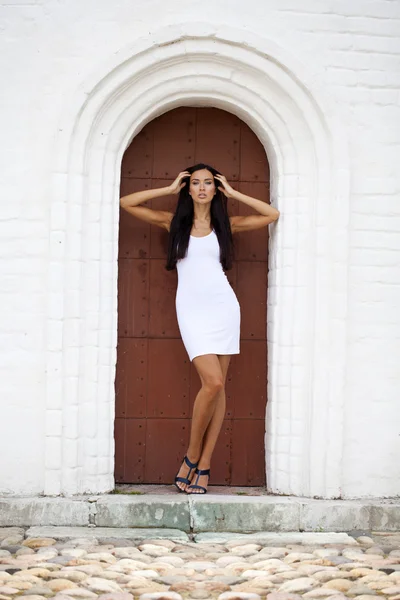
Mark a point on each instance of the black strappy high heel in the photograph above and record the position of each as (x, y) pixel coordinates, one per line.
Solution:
(185, 479)
(198, 473)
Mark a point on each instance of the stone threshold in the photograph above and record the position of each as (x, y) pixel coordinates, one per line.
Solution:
(209, 513)
(112, 534)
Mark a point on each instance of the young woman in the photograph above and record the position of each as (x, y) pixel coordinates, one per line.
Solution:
(200, 247)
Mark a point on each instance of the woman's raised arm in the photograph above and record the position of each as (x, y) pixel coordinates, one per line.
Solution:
(267, 213)
(162, 218)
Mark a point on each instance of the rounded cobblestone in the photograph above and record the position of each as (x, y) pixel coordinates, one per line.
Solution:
(80, 569)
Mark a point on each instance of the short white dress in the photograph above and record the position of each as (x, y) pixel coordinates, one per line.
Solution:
(206, 306)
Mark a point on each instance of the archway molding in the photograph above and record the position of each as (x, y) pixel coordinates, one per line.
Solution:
(307, 298)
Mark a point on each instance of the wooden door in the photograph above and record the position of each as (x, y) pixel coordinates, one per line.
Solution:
(155, 382)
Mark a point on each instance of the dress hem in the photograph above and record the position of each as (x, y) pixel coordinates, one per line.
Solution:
(216, 353)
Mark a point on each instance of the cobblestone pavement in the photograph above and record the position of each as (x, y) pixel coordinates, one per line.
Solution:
(119, 569)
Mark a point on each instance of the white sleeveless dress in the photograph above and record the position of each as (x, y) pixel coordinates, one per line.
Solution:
(206, 306)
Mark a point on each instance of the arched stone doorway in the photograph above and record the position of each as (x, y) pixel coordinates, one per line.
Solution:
(279, 99)
(155, 383)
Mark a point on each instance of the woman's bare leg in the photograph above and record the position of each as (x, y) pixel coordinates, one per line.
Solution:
(213, 429)
(212, 383)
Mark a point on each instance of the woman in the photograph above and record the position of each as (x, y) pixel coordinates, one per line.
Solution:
(200, 247)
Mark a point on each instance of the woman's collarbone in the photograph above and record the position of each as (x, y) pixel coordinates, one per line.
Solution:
(201, 232)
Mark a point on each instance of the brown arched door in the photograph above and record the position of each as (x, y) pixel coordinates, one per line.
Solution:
(155, 383)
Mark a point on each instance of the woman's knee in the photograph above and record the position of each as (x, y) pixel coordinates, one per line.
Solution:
(213, 384)
(210, 373)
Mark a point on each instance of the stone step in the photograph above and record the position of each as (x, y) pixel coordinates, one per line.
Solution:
(104, 534)
(268, 538)
(210, 513)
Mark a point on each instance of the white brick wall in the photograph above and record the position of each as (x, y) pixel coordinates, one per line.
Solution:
(347, 57)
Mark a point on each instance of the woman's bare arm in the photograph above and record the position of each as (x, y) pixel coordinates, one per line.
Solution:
(267, 213)
(131, 203)
(162, 218)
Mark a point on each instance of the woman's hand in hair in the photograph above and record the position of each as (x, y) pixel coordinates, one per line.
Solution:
(177, 185)
(224, 186)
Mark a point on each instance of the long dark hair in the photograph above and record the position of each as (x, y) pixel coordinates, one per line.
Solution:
(182, 222)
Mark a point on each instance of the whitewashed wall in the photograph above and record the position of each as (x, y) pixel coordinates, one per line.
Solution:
(348, 56)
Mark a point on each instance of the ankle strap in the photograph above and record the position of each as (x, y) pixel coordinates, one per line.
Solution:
(202, 471)
(189, 464)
